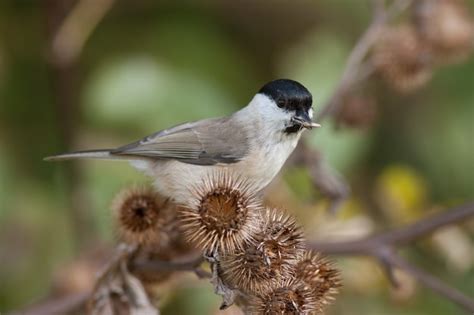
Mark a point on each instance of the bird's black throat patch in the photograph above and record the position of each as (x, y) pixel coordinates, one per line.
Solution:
(292, 129)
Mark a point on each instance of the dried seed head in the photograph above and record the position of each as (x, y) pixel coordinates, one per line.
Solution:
(447, 26)
(270, 258)
(292, 297)
(143, 217)
(223, 214)
(320, 275)
(358, 111)
(402, 59)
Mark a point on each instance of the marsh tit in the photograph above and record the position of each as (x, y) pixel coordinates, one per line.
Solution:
(253, 143)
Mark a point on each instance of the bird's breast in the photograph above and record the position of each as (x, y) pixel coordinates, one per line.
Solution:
(266, 160)
(176, 180)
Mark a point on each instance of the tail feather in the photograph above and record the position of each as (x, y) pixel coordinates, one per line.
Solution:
(90, 154)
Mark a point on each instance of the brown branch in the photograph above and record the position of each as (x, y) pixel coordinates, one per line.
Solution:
(154, 266)
(69, 24)
(57, 305)
(65, 90)
(77, 27)
(401, 236)
(433, 283)
(76, 302)
(382, 247)
(356, 69)
(323, 177)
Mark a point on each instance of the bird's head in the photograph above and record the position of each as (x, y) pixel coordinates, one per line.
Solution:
(287, 105)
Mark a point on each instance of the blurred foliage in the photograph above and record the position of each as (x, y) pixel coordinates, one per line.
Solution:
(152, 64)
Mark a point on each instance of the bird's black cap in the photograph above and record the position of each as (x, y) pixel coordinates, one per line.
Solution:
(288, 94)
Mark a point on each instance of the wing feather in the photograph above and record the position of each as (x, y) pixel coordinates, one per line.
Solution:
(205, 142)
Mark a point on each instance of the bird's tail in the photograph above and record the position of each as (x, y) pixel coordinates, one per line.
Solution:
(90, 154)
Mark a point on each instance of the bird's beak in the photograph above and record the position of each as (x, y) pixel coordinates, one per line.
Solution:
(304, 120)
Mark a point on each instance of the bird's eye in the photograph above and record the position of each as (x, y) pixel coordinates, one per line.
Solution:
(281, 103)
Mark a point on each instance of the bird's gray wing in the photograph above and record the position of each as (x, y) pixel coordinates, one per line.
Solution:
(205, 142)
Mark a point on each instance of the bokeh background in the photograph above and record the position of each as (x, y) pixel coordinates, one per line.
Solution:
(151, 64)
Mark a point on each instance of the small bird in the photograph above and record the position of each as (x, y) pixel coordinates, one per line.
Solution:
(252, 143)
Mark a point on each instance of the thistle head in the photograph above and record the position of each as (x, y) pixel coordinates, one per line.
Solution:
(447, 26)
(402, 59)
(222, 214)
(271, 256)
(291, 297)
(319, 274)
(357, 111)
(142, 216)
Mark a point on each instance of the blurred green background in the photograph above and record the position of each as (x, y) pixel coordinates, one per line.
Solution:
(151, 64)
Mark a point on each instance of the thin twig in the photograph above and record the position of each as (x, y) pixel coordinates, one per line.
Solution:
(397, 237)
(323, 177)
(70, 23)
(71, 37)
(65, 90)
(154, 266)
(57, 305)
(356, 69)
(382, 247)
(433, 283)
(73, 302)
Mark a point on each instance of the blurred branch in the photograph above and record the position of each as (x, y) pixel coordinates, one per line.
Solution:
(65, 90)
(433, 283)
(58, 305)
(69, 25)
(78, 301)
(77, 27)
(154, 266)
(356, 69)
(383, 248)
(323, 177)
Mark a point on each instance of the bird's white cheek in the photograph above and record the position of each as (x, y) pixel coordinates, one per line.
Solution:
(310, 113)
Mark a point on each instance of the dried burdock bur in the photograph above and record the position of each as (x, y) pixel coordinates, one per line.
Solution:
(320, 275)
(447, 26)
(143, 217)
(269, 258)
(222, 215)
(291, 297)
(402, 59)
(357, 111)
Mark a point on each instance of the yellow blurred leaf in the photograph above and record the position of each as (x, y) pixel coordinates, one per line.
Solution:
(401, 193)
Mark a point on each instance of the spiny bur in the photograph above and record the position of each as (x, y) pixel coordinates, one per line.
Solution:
(291, 297)
(320, 275)
(143, 217)
(447, 26)
(222, 215)
(358, 111)
(269, 258)
(402, 59)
